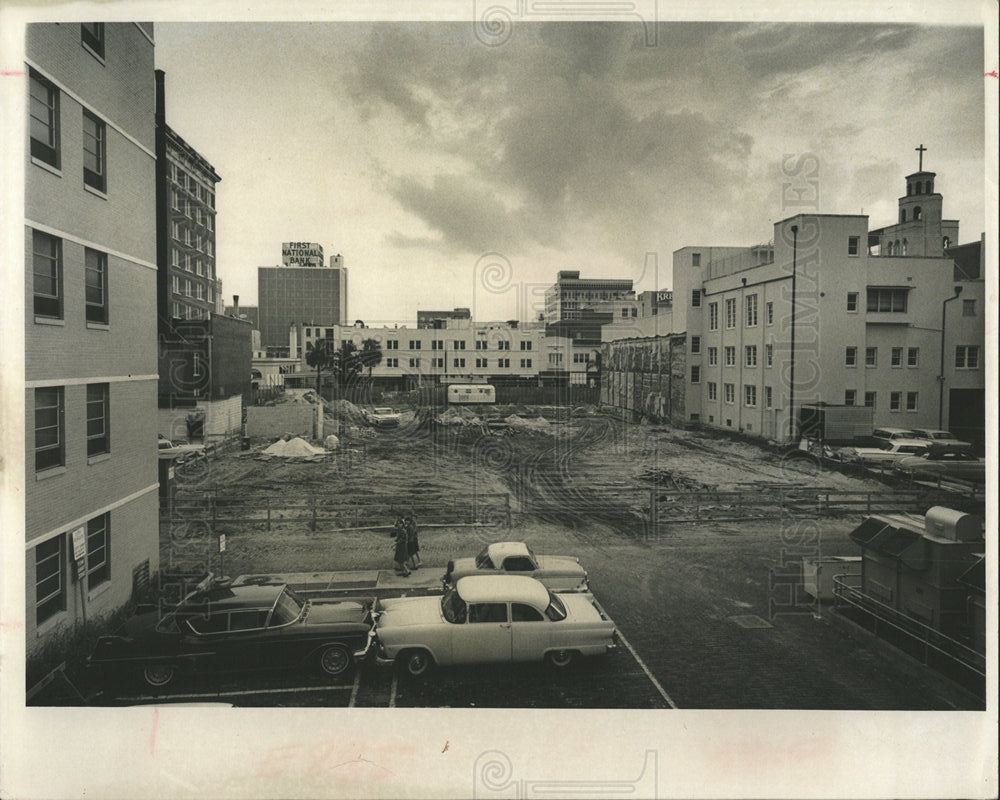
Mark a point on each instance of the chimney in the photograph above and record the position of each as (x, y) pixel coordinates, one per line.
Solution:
(236, 306)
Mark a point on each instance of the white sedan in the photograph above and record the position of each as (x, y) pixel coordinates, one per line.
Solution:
(491, 619)
(887, 452)
(382, 417)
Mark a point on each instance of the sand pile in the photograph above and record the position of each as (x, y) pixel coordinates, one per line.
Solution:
(536, 424)
(294, 448)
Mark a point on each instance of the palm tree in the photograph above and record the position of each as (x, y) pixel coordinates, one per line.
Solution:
(371, 354)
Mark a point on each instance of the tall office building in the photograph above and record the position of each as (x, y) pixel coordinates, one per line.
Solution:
(302, 290)
(91, 500)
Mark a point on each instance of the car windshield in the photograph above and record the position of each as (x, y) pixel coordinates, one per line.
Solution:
(453, 607)
(887, 446)
(286, 608)
(483, 560)
(940, 435)
(556, 610)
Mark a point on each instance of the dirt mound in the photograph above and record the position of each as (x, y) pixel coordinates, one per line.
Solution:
(535, 424)
(345, 410)
(457, 416)
(293, 448)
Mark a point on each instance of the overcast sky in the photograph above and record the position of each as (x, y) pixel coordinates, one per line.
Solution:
(414, 149)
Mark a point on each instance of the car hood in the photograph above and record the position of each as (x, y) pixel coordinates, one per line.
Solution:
(410, 611)
(566, 564)
(325, 612)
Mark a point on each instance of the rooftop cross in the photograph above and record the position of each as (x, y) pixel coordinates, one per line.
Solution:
(921, 150)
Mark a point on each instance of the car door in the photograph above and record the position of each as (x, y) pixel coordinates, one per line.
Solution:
(485, 636)
(531, 632)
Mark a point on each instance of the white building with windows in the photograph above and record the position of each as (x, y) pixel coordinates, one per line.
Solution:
(838, 313)
(91, 499)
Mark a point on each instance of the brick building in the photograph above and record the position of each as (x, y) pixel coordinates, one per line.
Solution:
(90, 328)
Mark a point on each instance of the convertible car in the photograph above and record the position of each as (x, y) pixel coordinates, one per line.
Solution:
(558, 573)
(491, 619)
(225, 625)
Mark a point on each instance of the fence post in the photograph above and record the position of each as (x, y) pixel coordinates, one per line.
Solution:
(868, 503)
(267, 501)
(312, 503)
(506, 503)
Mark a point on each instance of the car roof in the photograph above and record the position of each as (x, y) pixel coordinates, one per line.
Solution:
(500, 550)
(931, 431)
(502, 588)
(246, 596)
(892, 430)
(909, 443)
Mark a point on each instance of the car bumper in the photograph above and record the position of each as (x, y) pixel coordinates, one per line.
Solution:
(369, 646)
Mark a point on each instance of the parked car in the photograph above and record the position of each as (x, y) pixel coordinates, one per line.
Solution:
(491, 619)
(558, 573)
(163, 443)
(891, 434)
(888, 451)
(381, 417)
(946, 437)
(223, 626)
(946, 459)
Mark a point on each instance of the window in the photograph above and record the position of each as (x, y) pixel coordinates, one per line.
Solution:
(750, 355)
(98, 551)
(695, 344)
(503, 345)
(487, 612)
(436, 345)
(46, 261)
(713, 391)
(98, 418)
(750, 395)
(175, 285)
(850, 397)
(50, 583)
(751, 311)
(524, 345)
(459, 344)
(482, 363)
(768, 397)
(896, 359)
(635, 311)
(196, 366)
(696, 259)
(437, 362)
(92, 36)
(459, 362)
(175, 257)
(851, 357)
(481, 344)
(526, 363)
(503, 363)
(713, 316)
(852, 301)
(94, 152)
(967, 356)
(769, 313)
(624, 312)
(730, 353)
(917, 211)
(893, 300)
(414, 344)
(911, 401)
(968, 308)
(695, 374)
(392, 344)
(730, 392)
(44, 120)
(869, 399)
(853, 245)
(871, 356)
(912, 356)
(895, 399)
(713, 356)
(769, 355)
(731, 313)
(414, 362)
(555, 358)
(50, 428)
(392, 362)
(519, 612)
(696, 298)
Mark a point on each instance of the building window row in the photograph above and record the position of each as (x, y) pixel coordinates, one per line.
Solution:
(967, 356)
(896, 400)
(51, 568)
(47, 279)
(50, 424)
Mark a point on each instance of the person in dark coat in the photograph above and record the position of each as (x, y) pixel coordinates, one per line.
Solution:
(412, 544)
(400, 554)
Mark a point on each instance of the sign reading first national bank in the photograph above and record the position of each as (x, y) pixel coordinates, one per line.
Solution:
(302, 254)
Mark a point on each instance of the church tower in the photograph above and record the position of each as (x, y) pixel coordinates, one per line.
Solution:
(920, 230)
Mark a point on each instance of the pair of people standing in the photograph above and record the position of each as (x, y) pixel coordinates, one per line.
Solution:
(406, 555)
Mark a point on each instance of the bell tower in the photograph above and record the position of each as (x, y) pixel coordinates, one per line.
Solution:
(920, 213)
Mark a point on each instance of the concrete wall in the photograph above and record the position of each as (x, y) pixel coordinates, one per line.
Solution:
(645, 376)
(265, 421)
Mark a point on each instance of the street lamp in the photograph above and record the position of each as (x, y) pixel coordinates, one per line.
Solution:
(944, 308)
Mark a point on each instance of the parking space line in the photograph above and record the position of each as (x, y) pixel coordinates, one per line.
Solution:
(638, 660)
(392, 691)
(237, 693)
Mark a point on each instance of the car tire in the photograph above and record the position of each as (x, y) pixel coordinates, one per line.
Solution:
(335, 659)
(560, 659)
(159, 674)
(415, 663)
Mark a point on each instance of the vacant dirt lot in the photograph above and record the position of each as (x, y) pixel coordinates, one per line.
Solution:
(698, 600)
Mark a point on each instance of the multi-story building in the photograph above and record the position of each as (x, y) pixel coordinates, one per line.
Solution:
(462, 352)
(296, 292)
(91, 501)
(571, 294)
(835, 312)
(437, 319)
(185, 189)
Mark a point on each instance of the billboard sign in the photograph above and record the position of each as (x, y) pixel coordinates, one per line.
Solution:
(302, 254)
